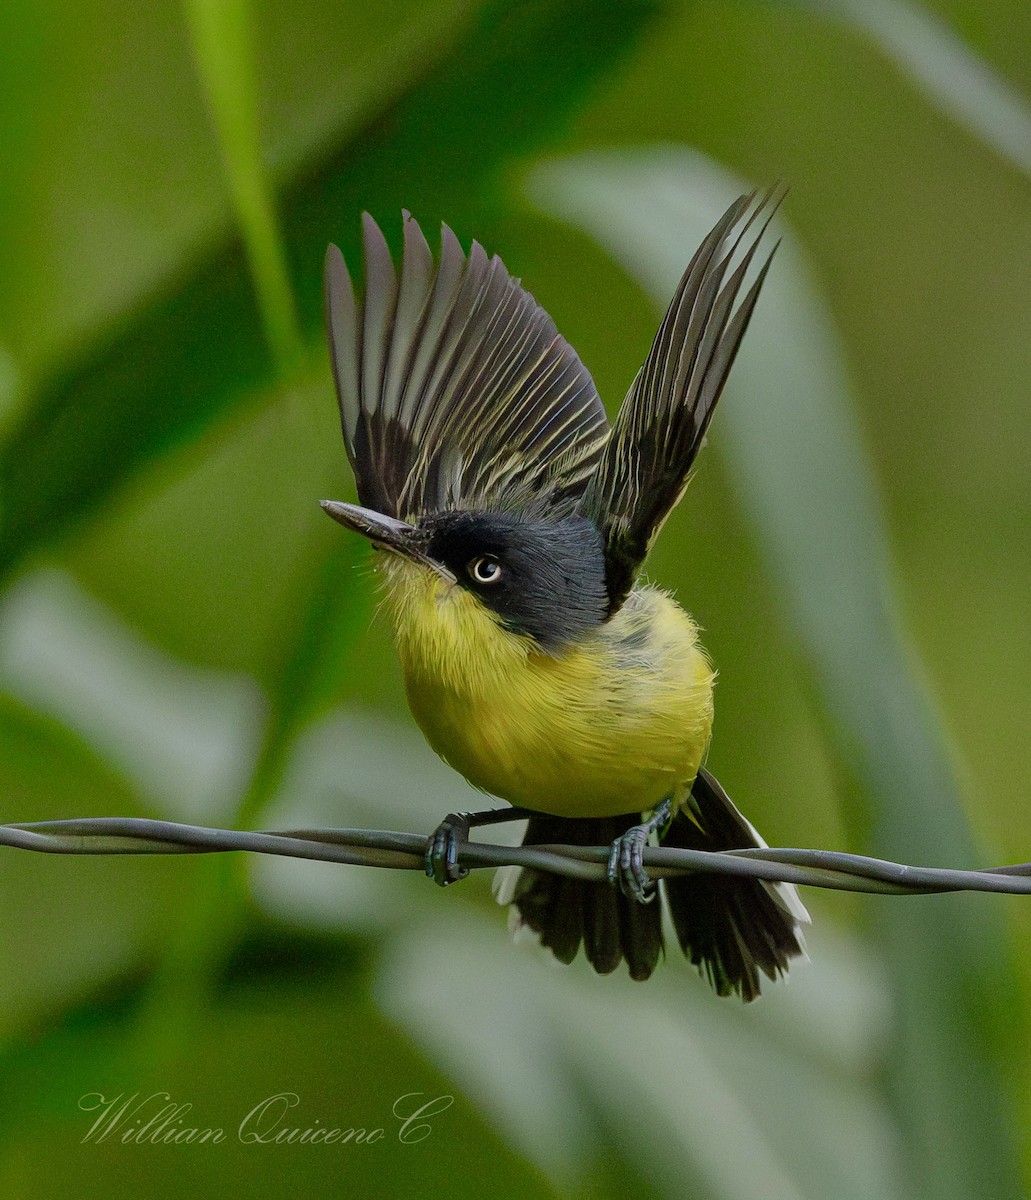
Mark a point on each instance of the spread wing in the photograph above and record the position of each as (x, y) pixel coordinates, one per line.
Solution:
(455, 388)
(662, 423)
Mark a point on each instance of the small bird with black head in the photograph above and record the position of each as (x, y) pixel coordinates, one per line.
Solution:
(512, 522)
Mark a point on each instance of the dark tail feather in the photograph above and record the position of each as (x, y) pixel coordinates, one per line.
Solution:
(568, 912)
(730, 928)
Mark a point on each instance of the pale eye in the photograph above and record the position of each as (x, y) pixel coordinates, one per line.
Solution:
(485, 569)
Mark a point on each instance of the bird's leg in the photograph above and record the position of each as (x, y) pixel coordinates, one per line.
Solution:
(626, 859)
(452, 833)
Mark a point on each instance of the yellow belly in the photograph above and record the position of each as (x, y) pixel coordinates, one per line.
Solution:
(610, 726)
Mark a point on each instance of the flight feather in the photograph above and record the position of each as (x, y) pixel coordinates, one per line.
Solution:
(661, 425)
(456, 391)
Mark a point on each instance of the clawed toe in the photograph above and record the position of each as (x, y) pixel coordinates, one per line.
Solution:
(446, 842)
(441, 858)
(626, 865)
(626, 858)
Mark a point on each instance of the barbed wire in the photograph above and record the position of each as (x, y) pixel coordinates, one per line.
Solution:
(404, 851)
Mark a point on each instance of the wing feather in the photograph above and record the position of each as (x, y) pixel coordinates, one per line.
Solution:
(661, 425)
(455, 388)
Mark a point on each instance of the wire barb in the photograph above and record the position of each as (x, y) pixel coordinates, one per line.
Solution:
(404, 851)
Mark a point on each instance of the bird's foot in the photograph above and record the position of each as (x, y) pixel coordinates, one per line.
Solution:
(441, 859)
(443, 845)
(626, 858)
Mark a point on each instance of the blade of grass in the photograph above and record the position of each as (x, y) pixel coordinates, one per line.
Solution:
(222, 34)
(806, 487)
(955, 79)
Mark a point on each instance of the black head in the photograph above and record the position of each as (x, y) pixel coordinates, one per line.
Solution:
(542, 578)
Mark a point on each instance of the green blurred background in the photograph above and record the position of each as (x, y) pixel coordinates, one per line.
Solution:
(184, 635)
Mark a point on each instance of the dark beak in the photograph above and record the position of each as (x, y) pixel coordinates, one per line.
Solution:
(385, 533)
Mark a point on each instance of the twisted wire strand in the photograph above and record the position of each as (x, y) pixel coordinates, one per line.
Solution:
(404, 851)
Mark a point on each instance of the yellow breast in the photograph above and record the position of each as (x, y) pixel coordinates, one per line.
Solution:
(609, 726)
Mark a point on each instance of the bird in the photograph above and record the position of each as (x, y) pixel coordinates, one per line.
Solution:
(510, 523)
